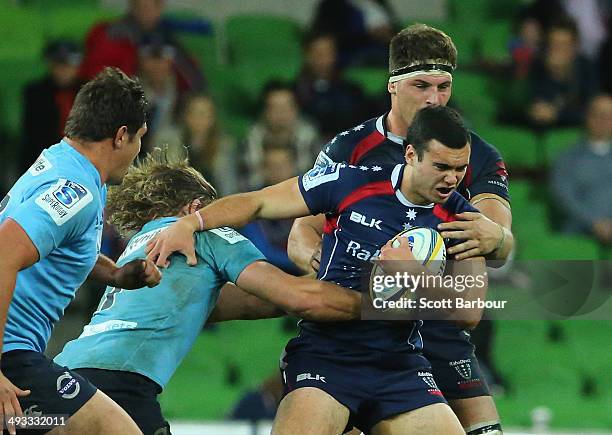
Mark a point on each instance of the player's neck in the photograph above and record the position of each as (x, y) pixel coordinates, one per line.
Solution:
(92, 151)
(408, 192)
(395, 123)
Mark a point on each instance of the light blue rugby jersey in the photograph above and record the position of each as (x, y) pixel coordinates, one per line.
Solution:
(150, 330)
(59, 203)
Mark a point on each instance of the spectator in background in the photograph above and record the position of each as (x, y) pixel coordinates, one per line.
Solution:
(116, 43)
(282, 126)
(210, 151)
(322, 93)
(362, 28)
(155, 58)
(525, 46)
(47, 102)
(562, 82)
(261, 403)
(270, 236)
(580, 177)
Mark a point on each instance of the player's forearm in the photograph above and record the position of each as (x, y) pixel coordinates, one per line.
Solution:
(104, 271)
(8, 278)
(326, 302)
(502, 253)
(235, 303)
(498, 210)
(232, 211)
(304, 238)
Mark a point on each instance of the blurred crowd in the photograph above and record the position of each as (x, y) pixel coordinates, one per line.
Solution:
(556, 73)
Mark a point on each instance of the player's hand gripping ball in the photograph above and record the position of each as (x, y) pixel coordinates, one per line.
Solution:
(427, 247)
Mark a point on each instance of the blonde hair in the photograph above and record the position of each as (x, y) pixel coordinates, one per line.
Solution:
(159, 185)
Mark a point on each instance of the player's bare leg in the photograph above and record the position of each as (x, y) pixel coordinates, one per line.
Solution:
(310, 411)
(476, 412)
(99, 416)
(432, 419)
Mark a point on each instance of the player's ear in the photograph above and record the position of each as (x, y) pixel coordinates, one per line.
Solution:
(121, 137)
(391, 88)
(411, 155)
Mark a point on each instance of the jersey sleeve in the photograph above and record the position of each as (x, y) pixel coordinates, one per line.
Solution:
(493, 176)
(55, 212)
(333, 151)
(228, 251)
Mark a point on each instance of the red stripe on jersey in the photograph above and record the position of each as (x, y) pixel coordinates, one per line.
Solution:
(502, 172)
(365, 145)
(371, 189)
(331, 223)
(443, 214)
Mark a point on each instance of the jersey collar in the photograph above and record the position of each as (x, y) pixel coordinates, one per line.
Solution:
(84, 161)
(381, 126)
(396, 179)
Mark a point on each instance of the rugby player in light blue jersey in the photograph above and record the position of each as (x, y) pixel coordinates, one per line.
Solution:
(50, 231)
(136, 339)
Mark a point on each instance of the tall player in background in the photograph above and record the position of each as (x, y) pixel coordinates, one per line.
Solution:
(50, 234)
(141, 336)
(368, 374)
(421, 61)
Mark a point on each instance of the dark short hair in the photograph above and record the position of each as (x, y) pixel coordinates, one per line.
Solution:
(440, 123)
(420, 42)
(106, 103)
(275, 85)
(565, 23)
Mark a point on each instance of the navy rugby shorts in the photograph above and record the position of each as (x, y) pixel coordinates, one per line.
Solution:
(54, 390)
(454, 365)
(373, 385)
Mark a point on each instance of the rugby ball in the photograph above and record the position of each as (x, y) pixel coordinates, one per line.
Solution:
(427, 246)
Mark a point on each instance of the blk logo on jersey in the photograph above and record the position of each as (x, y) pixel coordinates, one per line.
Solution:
(361, 219)
(310, 377)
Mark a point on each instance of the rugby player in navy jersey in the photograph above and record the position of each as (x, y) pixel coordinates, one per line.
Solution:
(421, 62)
(368, 374)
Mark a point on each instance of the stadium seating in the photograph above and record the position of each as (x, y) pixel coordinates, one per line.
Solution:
(74, 22)
(518, 146)
(21, 33)
(472, 95)
(373, 81)
(257, 39)
(557, 141)
(493, 42)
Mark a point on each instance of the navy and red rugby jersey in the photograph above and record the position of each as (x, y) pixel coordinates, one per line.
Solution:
(364, 208)
(370, 143)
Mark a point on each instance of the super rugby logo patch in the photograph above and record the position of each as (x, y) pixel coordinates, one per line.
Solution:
(317, 176)
(64, 200)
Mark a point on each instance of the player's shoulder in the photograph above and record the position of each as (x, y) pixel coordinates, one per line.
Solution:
(456, 203)
(482, 149)
(348, 175)
(341, 146)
